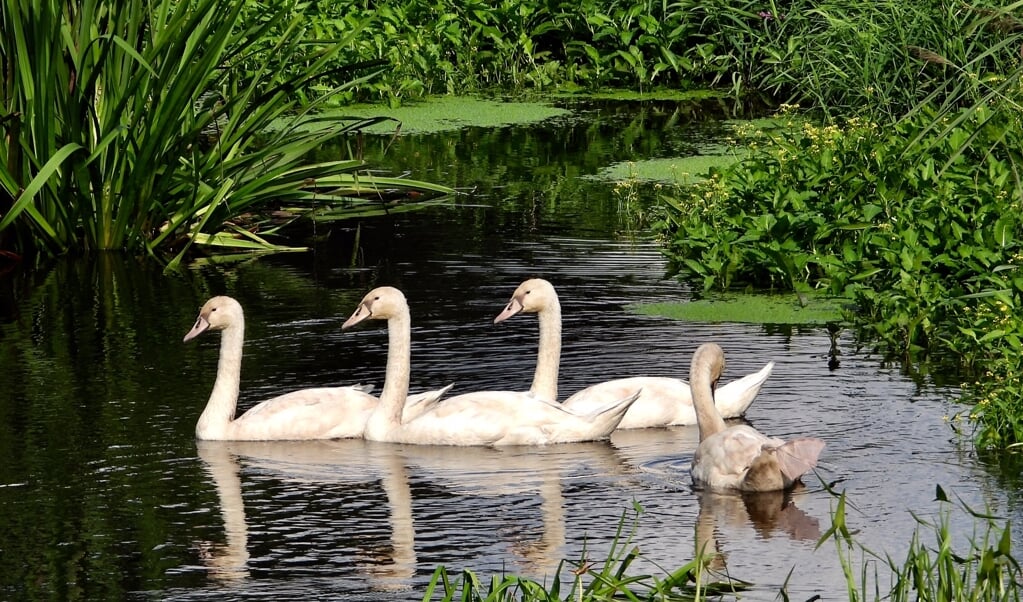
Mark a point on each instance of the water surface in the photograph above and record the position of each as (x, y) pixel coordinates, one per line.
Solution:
(104, 493)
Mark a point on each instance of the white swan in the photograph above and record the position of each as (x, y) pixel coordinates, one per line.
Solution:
(318, 413)
(664, 401)
(482, 418)
(740, 457)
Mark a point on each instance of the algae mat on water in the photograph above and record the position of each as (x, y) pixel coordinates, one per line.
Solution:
(751, 308)
(675, 170)
(445, 113)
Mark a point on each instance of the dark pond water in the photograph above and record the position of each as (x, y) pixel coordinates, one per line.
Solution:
(105, 494)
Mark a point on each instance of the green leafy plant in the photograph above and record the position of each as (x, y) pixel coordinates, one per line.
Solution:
(919, 223)
(859, 212)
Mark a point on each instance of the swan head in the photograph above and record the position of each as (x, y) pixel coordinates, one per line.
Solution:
(216, 314)
(532, 296)
(381, 303)
(708, 364)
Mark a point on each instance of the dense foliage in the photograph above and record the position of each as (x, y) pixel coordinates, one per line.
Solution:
(842, 57)
(136, 126)
(918, 221)
(907, 229)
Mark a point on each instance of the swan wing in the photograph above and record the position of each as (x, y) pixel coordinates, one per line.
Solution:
(662, 401)
(798, 456)
(723, 460)
(319, 413)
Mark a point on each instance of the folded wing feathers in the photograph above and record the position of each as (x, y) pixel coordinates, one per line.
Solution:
(798, 456)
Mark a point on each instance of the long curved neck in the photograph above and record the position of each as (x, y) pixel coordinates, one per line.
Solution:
(708, 419)
(545, 380)
(387, 414)
(223, 402)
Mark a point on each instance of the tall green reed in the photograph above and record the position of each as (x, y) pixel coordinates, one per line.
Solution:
(147, 126)
(935, 568)
(613, 579)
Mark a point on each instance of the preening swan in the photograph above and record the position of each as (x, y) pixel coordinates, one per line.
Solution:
(740, 457)
(481, 418)
(664, 401)
(319, 413)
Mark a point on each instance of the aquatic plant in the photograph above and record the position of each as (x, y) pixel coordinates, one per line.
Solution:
(752, 308)
(982, 569)
(985, 570)
(860, 210)
(149, 127)
(612, 580)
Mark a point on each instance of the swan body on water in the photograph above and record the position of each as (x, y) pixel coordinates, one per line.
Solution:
(664, 401)
(739, 457)
(316, 413)
(482, 418)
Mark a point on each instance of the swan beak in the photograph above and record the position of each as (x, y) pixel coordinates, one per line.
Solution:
(201, 325)
(514, 307)
(361, 313)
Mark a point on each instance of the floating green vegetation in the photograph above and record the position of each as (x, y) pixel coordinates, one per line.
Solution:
(445, 113)
(751, 308)
(674, 170)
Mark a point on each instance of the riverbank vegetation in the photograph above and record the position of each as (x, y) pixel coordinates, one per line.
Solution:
(842, 58)
(149, 127)
(915, 219)
(135, 126)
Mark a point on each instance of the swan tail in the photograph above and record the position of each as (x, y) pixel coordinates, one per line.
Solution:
(733, 399)
(429, 397)
(798, 456)
(418, 404)
(614, 412)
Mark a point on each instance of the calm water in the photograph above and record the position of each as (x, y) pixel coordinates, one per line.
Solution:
(104, 493)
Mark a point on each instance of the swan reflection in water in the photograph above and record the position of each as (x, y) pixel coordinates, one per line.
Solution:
(478, 488)
(770, 513)
(497, 476)
(502, 481)
(319, 462)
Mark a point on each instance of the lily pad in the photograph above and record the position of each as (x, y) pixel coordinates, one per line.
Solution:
(674, 170)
